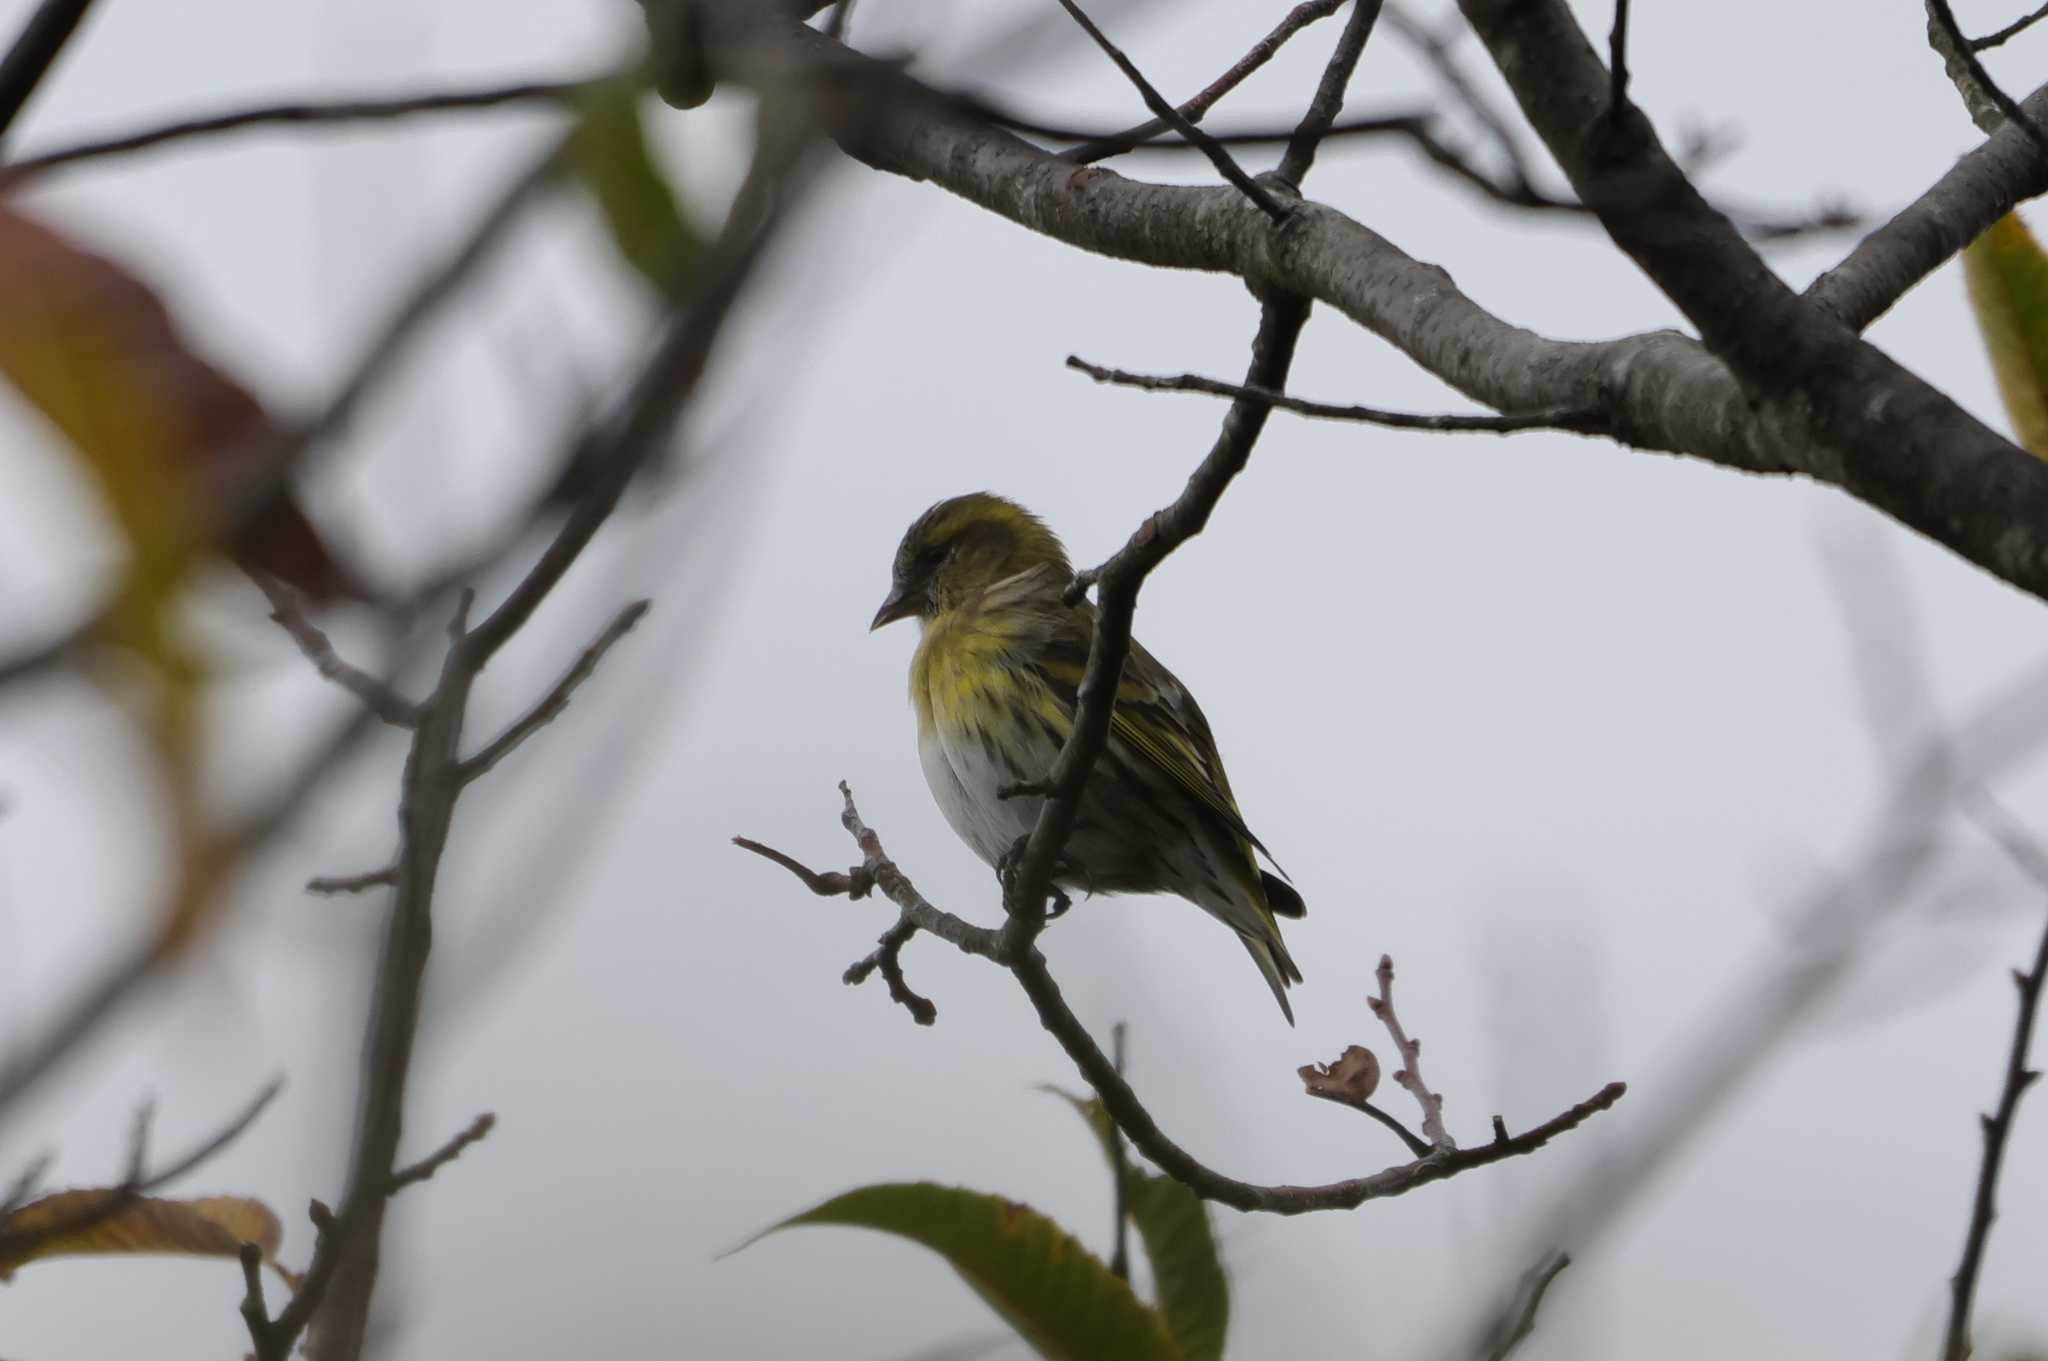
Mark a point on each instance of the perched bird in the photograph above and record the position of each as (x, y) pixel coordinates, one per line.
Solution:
(994, 682)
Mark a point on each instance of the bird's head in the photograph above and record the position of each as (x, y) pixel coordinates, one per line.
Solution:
(961, 547)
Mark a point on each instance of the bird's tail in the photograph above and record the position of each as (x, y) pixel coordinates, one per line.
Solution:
(1270, 954)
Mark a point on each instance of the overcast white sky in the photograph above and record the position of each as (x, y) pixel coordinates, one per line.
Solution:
(1566, 729)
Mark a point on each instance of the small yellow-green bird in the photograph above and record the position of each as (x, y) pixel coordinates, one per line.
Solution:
(994, 682)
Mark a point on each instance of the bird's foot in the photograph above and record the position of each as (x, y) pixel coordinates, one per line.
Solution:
(1007, 868)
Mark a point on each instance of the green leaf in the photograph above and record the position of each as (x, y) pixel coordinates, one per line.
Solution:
(1061, 1300)
(1180, 1242)
(640, 207)
(2007, 276)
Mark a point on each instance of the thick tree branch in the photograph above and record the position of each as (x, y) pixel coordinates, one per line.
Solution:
(1975, 192)
(1837, 407)
(1831, 410)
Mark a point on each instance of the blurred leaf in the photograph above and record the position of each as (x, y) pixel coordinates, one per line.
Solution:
(1061, 1300)
(94, 349)
(214, 1226)
(2007, 277)
(1180, 1242)
(611, 158)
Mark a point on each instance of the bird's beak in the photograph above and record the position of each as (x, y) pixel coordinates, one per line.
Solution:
(901, 604)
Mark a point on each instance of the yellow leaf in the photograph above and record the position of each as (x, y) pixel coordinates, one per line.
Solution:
(2007, 276)
(80, 1224)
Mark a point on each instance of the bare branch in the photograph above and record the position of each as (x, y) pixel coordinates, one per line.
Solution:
(326, 112)
(1116, 143)
(447, 1153)
(332, 885)
(888, 957)
(1409, 1074)
(1117, 583)
(1997, 1127)
(1156, 102)
(1520, 1319)
(1350, 1082)
(1582, 421)
(1328, 100)
(1981, 187)
(1617, 60)
(34, 51)
(1122, 1104)
(378, 697)
(2010, 31)
(1971, 80)
(551, 706)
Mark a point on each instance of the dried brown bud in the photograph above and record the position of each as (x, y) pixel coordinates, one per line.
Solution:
(1352, 1078)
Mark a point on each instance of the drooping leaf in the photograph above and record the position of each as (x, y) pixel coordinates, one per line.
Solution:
(640, 207)
(1180, 1243)
(159, 427)
(1058, 1296)
(2007, 276)
(76, 1224)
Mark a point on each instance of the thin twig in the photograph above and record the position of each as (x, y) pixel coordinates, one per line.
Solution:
(2009, 32)
(1583, 422)
(1156, 102)
(887, 957)
(1350, 1082)
(1116, 143)
(333, 885)
(1409, 1074)
(255, 1312)
(1520, 1320)
(34, 52)
(295, 113)
(24, 1184)
(1131, 1116)
(830, 884)
(1119, 1166)
(1435, 50)
(376, 696)
(1617, 61)
(1997, 1127)
(1328, 100)
(557, 699)
(137, 1180)
(447, 1153)
(341, 1281)
(1117, 583)
(1957, 49)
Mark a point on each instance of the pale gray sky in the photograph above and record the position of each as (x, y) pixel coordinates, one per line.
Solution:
(1566, 729)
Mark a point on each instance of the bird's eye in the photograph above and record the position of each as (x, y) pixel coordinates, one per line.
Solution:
(932, 555)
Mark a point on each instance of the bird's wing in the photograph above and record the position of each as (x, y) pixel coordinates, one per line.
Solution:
(1155, 717)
